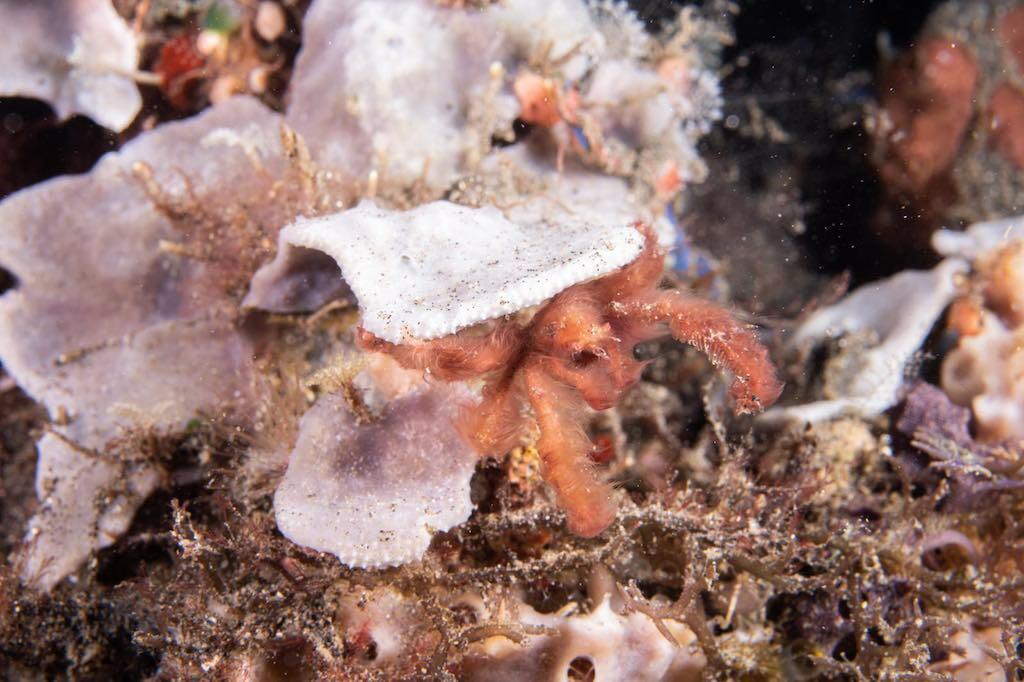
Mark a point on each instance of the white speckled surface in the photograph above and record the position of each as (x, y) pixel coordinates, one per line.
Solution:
(431, 271)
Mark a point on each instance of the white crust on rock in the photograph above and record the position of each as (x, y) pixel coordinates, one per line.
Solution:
(619, 647)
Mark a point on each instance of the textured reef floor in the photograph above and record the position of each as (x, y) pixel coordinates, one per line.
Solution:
(568, 340)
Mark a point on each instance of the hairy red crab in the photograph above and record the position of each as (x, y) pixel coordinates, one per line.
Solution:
(578, 349)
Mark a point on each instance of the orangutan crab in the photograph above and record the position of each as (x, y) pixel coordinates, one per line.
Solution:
(579, 348)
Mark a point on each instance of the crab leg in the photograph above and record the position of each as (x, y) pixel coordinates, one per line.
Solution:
(496, 424)
(715, 332)
(455, 357)
(565, 451)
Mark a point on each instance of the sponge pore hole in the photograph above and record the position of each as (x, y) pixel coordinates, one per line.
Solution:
(581, 669)
(7, 281)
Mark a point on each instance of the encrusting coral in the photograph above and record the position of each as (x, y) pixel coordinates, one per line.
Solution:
(623, 101)
(579, 349)
(102, 338)
(606, 643)
(639, 107)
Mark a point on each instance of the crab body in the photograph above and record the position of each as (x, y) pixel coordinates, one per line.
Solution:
(577, 351)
